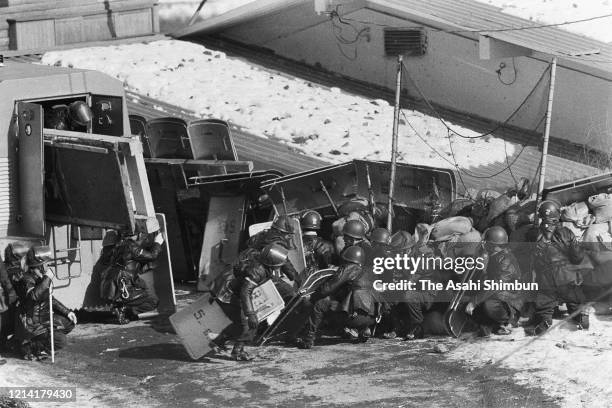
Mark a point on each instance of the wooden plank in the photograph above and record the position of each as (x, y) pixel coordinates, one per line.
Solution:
(133, 22)
(30, 34)
(71, 8)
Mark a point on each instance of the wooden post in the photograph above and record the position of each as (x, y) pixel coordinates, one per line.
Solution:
(396, 116)
(551, 91)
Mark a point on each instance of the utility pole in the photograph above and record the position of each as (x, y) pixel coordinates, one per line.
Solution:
(396, 117)
(551, 91)
(195, 15)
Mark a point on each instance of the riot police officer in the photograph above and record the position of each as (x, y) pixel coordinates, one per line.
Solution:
(346, 299)
(556, 256)
(239, 308)
(317, 251)
(493, 310)
(33, 325)
(129, 292)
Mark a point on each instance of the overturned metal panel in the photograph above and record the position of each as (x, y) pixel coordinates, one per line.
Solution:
(31, 168)
(579, 190)
(221, 240)
(416, 186)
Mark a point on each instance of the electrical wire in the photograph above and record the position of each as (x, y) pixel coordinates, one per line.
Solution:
(479, 30)
(496, 128)
(499, 73)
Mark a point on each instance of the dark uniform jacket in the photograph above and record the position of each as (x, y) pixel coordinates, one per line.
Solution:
(555, 260)
(122, 279)
(33, 292)
(352, 287)
(502, 266)
(318, 252)
(7, 293)
(254, 275)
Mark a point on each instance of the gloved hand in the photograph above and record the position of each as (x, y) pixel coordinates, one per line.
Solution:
(49, 273)
(159, 238)
(252, 319)
(469, 309)
(72, 317)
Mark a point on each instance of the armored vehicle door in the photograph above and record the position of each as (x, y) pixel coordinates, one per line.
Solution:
(31, 168)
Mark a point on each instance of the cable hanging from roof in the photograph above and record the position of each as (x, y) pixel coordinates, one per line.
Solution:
(496, 128)
(474, 30)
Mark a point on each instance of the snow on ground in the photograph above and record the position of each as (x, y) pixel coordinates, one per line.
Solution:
(561, 11)
(321, 121)
(573, 366)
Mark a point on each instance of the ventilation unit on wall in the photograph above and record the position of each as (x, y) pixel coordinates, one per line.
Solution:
(405, 41)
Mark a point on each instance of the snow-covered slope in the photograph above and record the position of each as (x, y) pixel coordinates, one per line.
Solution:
(573, 366)
(325, 122)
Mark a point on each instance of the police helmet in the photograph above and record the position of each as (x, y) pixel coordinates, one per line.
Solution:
(496, 235)
(14, 252)
(549, 210)
(381, 236)
(354, 229)
(39, 255)
(80, 113)
(273, 255)
(282, 224)
(311, 220)
(353, 254)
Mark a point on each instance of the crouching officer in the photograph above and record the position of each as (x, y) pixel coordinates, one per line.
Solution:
(557, 252)
(33, 325)
(317, 251)
(346, 298)
(281, 234)
(493, 310)
(131, 296)
(238, 305)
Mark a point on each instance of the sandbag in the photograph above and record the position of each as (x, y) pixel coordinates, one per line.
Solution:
(601, 206)
(519, 214)
(458, 207)
(402, 241)
(449, 227)
(597, 235)
(578, 213)
(499, 206)
(463, 245)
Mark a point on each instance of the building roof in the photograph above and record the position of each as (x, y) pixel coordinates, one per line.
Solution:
(13, 70)
(461, 17)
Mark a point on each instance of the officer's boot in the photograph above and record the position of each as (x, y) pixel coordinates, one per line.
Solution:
(239, 354)
(120, 314)
(582, 321)
(306, 341)
(415, 332)
(538, 329)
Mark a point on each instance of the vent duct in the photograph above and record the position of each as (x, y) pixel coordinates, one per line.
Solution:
(405, 41)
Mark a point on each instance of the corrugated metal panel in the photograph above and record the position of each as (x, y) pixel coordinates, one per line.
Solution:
(469, 14)
(8, 193)
(444, 14)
